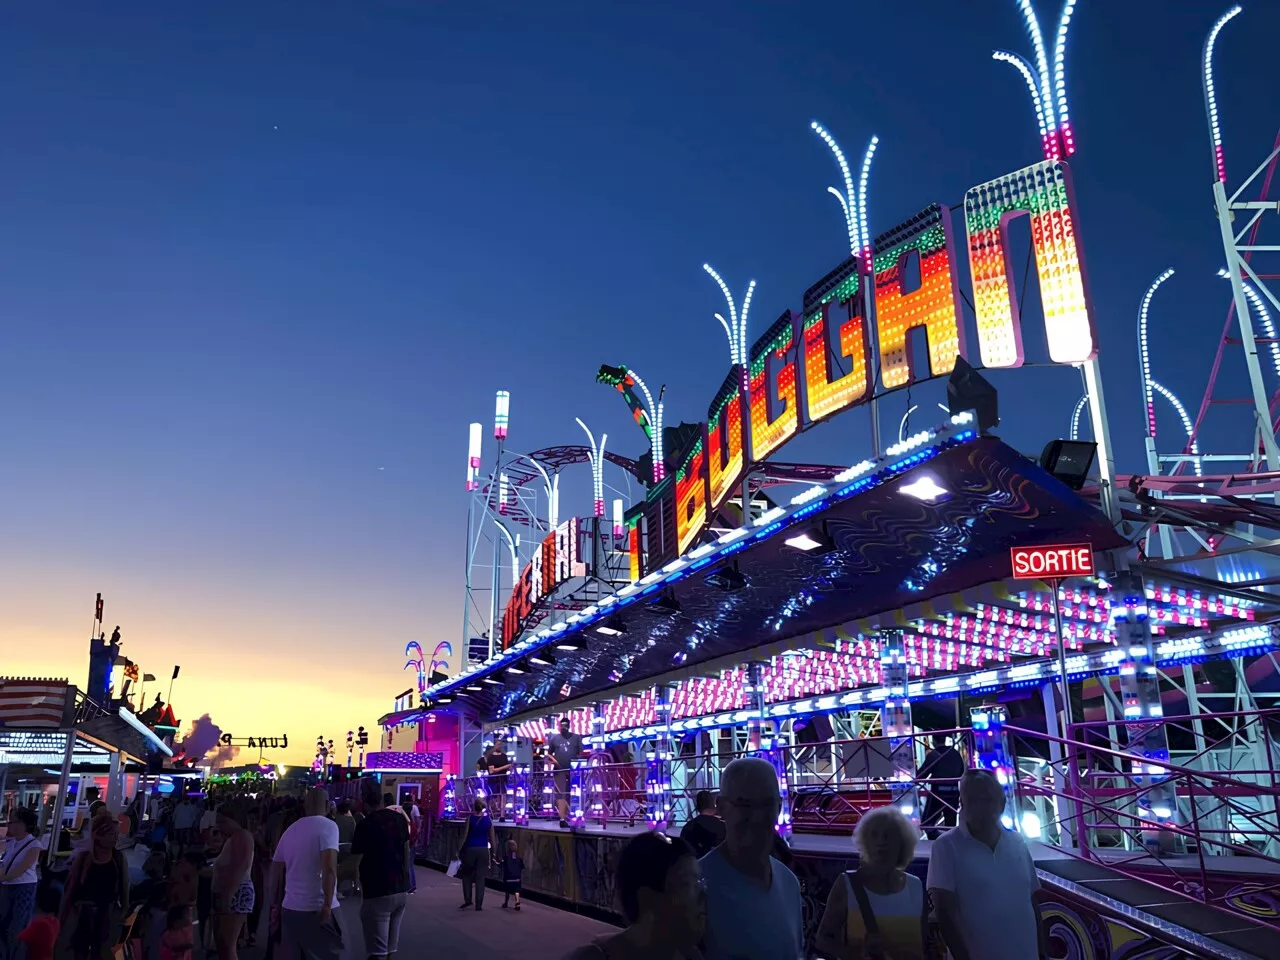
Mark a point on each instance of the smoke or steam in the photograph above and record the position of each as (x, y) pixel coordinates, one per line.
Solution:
(201, 744)
(221, 757)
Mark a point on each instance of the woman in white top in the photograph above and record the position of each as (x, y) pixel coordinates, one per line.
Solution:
(17, 879)
(878, 911)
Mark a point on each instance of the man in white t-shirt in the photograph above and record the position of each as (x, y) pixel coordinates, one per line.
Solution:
(754, 910)
(305, 880)
(982, 881)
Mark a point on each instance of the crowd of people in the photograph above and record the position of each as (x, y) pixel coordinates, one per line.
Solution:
(720, 891)
(202, 871)
(205, 868)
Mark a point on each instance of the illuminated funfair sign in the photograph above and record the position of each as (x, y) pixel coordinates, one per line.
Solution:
(557, 560)
(809, 367)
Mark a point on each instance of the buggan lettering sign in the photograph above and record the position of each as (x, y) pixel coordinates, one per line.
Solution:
(1052, 562)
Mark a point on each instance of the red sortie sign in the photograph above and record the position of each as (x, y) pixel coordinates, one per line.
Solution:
(1061, 560)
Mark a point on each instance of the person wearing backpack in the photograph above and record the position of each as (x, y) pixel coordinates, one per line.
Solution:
(96, 897)
(879, 911)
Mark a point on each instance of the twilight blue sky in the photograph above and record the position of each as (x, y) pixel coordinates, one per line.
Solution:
(260, 263)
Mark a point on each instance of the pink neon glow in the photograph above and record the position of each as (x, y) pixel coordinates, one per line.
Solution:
(1220, 156)
(1068, 141)
(599, 507)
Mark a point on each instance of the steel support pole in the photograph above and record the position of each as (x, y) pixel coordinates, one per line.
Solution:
(1102, 436)
(1064, 685)
(1261, 410)
(60, 801)
(469, 558)
(869, 298)
(1063, 807)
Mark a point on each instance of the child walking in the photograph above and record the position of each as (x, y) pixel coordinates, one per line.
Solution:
(512, 870)
(41, 934)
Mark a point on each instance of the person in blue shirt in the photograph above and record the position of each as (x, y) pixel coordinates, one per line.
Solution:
(475, 854)
(754, 909)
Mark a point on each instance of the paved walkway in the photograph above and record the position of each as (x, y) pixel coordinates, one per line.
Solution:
(434, 927)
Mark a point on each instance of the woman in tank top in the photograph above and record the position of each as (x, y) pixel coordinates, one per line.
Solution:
(233, 894)
(17, 879)
(97, 894)
(878, 911)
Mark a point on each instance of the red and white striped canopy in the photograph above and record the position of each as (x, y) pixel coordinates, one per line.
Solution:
(32, 701)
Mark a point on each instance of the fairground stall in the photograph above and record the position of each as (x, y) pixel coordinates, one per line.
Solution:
(56, 743)
(1104, 643)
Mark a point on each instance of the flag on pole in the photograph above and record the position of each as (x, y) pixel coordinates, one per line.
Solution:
(148, 678)
(175, 673)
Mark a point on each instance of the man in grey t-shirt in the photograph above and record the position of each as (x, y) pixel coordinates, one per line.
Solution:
(564, 747)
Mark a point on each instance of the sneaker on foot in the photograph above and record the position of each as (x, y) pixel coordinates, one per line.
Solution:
(465, 904)
(517, 906)
(564, 824)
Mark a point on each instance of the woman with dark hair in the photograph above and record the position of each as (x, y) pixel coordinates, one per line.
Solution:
(18, 879)
(479, 846)
(233, 893)
(663, 900)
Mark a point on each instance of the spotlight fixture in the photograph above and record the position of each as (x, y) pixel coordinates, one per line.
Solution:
(615, 626)
(518, 667)
(492, 680)
(925, 488)
(570, 644)
(542, 658)
(815, 540)
(438, 677)
(969, 390)
(474, 687)
(666, 603)
(728, 579)
(441, 701)
(1069, 460)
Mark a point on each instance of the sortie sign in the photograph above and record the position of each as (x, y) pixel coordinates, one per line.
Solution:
(1062, 560)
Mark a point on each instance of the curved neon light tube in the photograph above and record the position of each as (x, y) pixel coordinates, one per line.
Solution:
(655, 417)
(598, 478)
(851, 213)
(1144, 354)
(736, 326)
(597, 467)
(862, 200)
(733, 339)
(1210, 96)
(843, 206)
(1076, 415)
(1042, 58)
(1264, 318)
(742, 323)
(1060, 77)
(1194, 447)
(730, 327)
(1018, 62)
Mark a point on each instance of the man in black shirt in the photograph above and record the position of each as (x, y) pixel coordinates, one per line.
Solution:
(381, 848)
(943, 767)
(499, 765)
(705, 830)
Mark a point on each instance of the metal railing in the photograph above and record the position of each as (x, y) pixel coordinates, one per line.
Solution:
(1162, 823)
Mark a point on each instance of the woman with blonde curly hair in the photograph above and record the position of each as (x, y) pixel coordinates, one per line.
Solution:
(878, 911)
